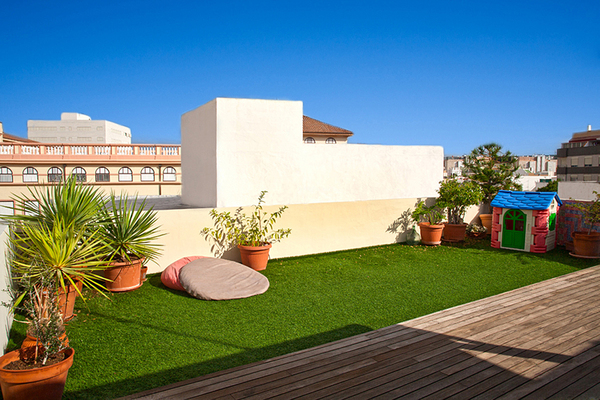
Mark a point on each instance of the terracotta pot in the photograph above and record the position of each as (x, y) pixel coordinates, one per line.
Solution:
(431, 235)
(255, 257)
(586, 245)
(124, 276)
(31, 340)
(144, 272)
(486, 221)
(455, 232)
(39, 383)
(477, 235)
(66, 301)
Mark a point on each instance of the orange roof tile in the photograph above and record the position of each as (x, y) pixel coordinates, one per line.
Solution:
(313, 126)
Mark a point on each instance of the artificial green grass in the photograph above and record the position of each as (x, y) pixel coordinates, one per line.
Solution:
(155, 336)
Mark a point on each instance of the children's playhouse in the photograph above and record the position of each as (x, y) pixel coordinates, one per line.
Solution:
(525, 221)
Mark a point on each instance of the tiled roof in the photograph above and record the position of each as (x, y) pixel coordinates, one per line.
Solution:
(7, 137)
(525, 200)
(311, 125)
(585, 136)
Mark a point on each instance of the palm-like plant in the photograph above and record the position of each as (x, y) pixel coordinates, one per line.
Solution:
(129, 230)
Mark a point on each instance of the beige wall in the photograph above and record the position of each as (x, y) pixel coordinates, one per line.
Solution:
(6, 317)
(316, 228)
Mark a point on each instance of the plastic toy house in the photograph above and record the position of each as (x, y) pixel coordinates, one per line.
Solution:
(525, 221)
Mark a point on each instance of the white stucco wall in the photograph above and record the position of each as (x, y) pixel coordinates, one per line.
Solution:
(578, 190)
(234, 148)
(71, 129)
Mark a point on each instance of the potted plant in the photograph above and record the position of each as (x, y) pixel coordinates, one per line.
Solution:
(456, 197)
(60, 236)
(253, 234)
(493, 170)
(586, 244)
(38, 371)
(429, 219)
(476, 231)
(130, 232)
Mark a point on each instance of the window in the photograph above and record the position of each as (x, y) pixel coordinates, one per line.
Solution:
(7, 207)
(587, 161)
(102, 175)
(31, 207)
(309, 140)
(147, 174)
(587, 178)
(169, 174)
(330, 140)
(125, 175)
(573, 178)
(54, 174)
(30, 174)
(574, 161)
(79, 174)
(5, 175)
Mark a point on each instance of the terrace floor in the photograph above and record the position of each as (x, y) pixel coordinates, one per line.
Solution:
(537, 342)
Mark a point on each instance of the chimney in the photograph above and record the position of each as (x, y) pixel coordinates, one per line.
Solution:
(589, 128)
(1, 128)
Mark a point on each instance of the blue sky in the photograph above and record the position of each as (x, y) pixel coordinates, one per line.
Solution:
(457, 74)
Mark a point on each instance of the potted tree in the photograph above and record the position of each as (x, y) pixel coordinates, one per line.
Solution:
(586, 244)
(493, 170)
(38, 371)
(60, 236)
(253, 234)
(129, 231)
(455, 197)
(429, 219)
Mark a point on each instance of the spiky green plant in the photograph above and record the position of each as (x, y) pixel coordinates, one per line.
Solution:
(129, 230)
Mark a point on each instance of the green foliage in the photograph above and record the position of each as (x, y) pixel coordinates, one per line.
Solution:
(456, 197)
(431, 214)
(492, 169)
(129, 230)
(591, 211)
(256, 229)
(552, 186)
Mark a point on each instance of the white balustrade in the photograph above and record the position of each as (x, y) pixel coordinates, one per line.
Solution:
(124, 150)
(7, 149)
(102, 150)
(79, 150)
(148, 150)
(170, 150)
(53, 150)
(31, 150)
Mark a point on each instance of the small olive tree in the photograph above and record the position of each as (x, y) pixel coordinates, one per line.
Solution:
(492, 169)
(455, 197)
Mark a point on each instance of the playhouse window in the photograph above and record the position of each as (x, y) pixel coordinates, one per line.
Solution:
(519, 226)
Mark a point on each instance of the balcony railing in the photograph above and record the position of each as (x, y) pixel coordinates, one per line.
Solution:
(101, 151)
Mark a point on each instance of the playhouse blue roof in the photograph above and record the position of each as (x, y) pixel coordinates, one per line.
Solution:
(525, 200)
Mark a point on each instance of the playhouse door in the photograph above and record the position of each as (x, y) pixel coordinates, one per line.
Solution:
(513, 229)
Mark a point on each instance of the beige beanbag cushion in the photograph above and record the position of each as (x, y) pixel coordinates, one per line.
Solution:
(217, 279)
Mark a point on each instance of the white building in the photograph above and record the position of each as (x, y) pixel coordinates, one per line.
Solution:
(78, 128)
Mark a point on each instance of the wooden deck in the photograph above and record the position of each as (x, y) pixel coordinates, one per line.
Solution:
(537, 342)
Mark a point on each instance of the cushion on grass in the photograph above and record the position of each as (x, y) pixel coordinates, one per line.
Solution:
(217, 279)
(170, 276)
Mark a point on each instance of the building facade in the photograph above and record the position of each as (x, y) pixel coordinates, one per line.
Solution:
(77, 128)
(579, 158)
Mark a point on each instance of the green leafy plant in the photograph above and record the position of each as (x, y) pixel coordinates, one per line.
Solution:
(492, 169)
(256, 229)
(431, 214)
(456, 197)
(476, 228)
(591, 211)
(552, 186)
(129, 230)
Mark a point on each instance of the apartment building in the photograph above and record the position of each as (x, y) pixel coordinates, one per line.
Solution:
(77, 128)
(579, 158)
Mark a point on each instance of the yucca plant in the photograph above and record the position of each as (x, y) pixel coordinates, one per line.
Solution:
(129, 230)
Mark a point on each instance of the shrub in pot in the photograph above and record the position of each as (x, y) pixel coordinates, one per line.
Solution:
(253, 234)
(456, 197)
(429, 219)
(586, 244)
(38, 371)
(130, 232)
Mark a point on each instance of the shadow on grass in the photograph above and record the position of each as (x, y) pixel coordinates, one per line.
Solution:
(247, 356)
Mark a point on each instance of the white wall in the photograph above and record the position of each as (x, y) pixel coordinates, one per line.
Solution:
(578, 190)
(234, 148)
(78, 130)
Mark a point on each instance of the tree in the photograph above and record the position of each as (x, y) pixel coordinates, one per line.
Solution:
(492, 169)
(552, 186)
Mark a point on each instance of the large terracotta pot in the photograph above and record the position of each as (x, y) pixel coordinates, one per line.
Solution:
(486, 221)
(39, 383)
(255, 257)
(455, 232)
(586, 245)
(124, 276)
(431, 235)
(66, 301)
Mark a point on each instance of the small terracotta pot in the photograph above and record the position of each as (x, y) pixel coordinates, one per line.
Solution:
(431, 235)
(455, 232)
(486, 221)
(255, 257)
(30, 341)
(39, 383)
(586, 245)
(124, 276)
(66, 301)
